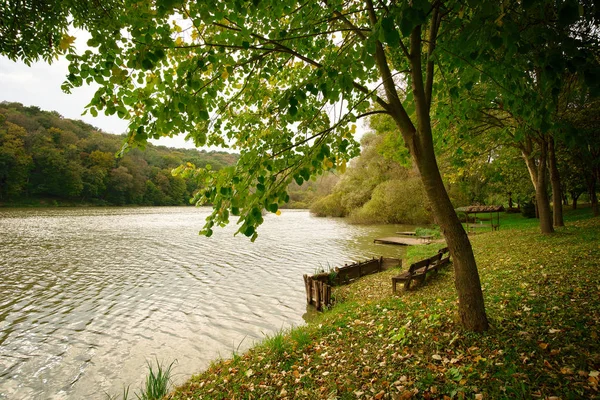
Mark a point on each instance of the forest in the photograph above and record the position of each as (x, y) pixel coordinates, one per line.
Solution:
(46, 159)
(382, 185)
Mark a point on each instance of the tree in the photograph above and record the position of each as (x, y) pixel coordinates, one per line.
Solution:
(30, 30)
(584, 119)
(15, 163)
(283, 82)
(533, 52)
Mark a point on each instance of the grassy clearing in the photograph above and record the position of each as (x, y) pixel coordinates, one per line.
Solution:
(542, 296)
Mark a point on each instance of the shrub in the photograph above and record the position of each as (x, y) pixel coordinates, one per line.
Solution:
(528, 210)
(329, 206)
(395, 201)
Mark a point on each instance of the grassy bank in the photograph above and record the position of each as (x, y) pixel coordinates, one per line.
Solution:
(543, 300)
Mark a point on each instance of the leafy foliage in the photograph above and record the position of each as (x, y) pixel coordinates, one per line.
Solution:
(46, 157)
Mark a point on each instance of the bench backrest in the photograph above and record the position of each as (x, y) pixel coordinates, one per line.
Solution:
(419, 265)
(443, 250)
(434, 259)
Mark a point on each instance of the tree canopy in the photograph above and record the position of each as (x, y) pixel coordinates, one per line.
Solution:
(283, 82)
(47, 158)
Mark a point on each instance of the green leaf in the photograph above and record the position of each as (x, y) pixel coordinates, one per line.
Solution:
(147, 64)
(390, 33)
(249, 231)
(203, 115)
(568, 13)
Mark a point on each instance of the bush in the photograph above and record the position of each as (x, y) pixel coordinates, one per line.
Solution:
(528, 210)
(395, 201)
(329, 206)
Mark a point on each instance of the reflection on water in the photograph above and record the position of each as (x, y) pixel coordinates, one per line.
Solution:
(88, 295)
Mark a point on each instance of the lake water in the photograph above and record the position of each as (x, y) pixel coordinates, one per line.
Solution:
(89, 295)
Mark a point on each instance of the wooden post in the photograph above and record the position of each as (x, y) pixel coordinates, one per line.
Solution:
(327, 295)
(318, 295)
(307, 287)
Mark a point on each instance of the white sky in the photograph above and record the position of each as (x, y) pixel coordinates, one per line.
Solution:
(39, 85)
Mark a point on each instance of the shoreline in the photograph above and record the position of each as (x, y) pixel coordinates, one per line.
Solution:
(374, 345)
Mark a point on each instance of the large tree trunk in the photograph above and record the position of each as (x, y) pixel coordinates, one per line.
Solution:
(539, 180)
(468, 286)
(541, 193)
(557, 209)
(419, 141)
(471, 306)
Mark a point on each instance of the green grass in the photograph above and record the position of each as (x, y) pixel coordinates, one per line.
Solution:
(157, 382)
(156, 385)
(542, 297)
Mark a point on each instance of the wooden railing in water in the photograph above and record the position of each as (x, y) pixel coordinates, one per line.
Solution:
(318, 286)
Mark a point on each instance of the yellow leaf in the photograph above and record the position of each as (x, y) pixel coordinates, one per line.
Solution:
(179, 41)
(278, 212)
(353, 128)
(343, 167)
(566, 371)
(66, 41)
(225, 74)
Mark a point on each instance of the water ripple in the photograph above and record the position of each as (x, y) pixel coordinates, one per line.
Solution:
(88, 295)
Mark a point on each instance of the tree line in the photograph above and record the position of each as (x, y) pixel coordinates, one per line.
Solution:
(45, 158)
(382, 186)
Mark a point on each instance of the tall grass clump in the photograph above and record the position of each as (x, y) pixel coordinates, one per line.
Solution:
(276, 344)
(157, 383)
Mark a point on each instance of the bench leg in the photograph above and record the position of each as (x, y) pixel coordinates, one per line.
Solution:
(393, 286)
(407, 284)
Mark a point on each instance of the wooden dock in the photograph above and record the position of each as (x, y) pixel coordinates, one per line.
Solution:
(407, 233)
(402, 241)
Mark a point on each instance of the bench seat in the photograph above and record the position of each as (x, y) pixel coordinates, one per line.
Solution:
(418, 271)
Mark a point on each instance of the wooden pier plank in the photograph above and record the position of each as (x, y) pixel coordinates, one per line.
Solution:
(402, 241)
(407, 233)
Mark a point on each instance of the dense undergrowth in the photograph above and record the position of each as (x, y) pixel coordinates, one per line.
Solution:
(542, 297)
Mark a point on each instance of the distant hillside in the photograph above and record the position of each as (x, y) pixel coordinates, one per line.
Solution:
(48, 159)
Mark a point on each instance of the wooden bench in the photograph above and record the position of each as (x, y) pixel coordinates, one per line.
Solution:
(418, 271)
(425, 238)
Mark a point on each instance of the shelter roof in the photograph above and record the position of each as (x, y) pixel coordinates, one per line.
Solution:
(479, 209)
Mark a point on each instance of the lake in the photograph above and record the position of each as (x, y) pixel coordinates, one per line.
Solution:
(88, 296)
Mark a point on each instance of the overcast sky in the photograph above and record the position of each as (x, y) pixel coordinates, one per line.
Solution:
(39, 85)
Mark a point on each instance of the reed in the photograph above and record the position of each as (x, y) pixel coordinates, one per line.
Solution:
(157, 382)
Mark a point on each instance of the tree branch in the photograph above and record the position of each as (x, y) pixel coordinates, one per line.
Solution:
(433, 31)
